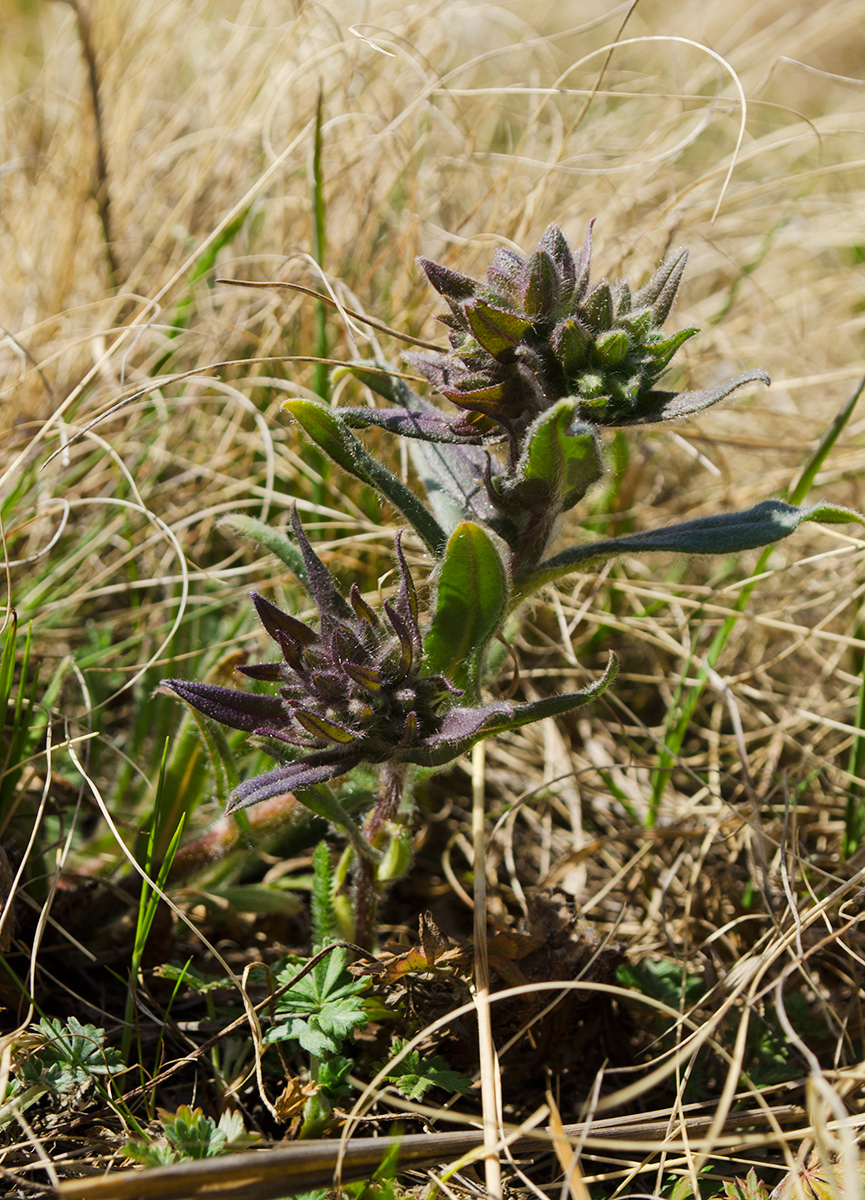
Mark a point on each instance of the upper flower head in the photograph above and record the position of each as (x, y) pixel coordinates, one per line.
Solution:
(353, 690)
(536, 332)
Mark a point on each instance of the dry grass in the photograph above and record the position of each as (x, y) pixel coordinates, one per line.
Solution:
(449, 128)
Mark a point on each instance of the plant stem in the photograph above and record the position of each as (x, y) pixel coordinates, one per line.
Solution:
(486, 1045)
(391, 787)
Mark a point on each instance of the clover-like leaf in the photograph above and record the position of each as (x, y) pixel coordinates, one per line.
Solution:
(67, 1055)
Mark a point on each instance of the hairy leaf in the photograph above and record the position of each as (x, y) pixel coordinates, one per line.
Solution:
(471, 597)
(561, 453)
(324, 426)
(722, 533)
(272, 539)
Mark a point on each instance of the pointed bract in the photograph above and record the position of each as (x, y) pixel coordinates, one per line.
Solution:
(447, 282)
(321, 585)
(228, 706)
(356, 689)
(535, 333)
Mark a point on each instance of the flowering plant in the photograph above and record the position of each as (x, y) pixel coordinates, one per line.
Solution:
(540, 363)
(361, 688)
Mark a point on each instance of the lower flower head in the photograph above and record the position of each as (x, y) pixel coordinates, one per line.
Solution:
(352, 690)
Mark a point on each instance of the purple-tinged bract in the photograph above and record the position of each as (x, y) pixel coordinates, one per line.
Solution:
(351, 691)
(535, 332)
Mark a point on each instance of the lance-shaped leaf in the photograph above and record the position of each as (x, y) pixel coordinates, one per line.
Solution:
(312, 769)
(553, 706)
(471, 598)
(334, 437)
(427, 427)
(721, 533)
(598, 308)
(229, 706)
(669, 406)
(321, 727)
(562, 453)
(459, 730)
(499, 718)
(272, 539)
(413, 417)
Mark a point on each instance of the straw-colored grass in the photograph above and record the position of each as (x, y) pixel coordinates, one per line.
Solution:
(737, 129)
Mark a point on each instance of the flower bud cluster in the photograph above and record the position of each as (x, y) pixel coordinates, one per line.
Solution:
(536, 331)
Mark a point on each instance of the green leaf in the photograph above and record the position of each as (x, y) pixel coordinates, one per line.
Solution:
(552, 706)
(539, 285)
(752, 1188)
(562, 453)
(332, 435)
(414, 1075)
(332, 1074)
(324, 923)
(722, 533)
(191, 978)
(272, 539)
(452, 475)
(471, 598)
(662, 980)
(191, 1135)
(261, 898)
(496, 329)
(322, 1009)
(72, 1055)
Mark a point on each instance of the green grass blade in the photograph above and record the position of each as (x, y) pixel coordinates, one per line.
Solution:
(321, 379)
(149, 897)
(830, 437)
